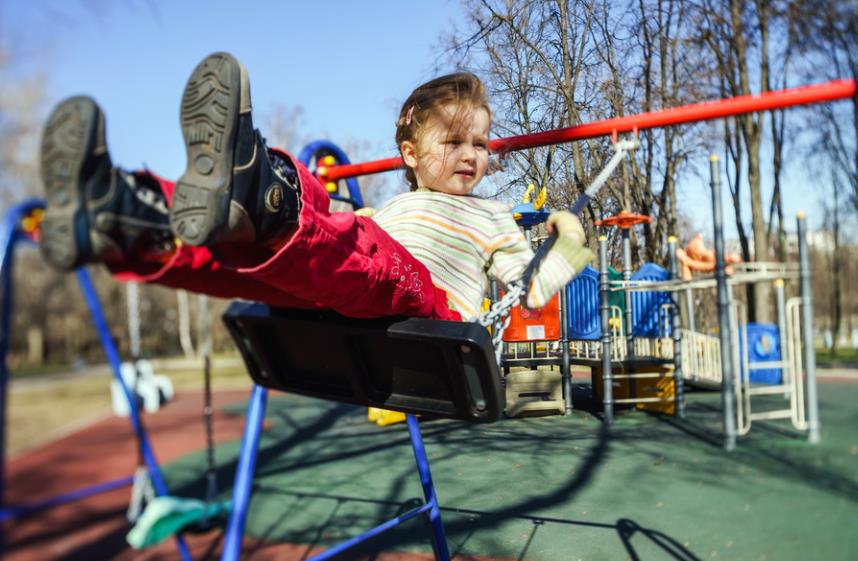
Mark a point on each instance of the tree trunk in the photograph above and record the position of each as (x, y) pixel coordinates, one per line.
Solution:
(836, 289)
(761, 311)
(184, 314)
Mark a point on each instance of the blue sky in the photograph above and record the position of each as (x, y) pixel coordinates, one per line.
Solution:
(348, 64)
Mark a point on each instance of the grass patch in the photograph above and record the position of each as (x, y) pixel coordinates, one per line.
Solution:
(36, 370)
(843, 356)
(48, 409)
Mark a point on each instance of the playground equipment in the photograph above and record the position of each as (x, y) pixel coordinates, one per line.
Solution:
(725, 361)
(167, 515)
(150, 389)
(20, 224)
(697, 258)
(454, 365)
(818, 93)
(533, 392)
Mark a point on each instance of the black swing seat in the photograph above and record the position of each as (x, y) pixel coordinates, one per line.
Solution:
(420, 366)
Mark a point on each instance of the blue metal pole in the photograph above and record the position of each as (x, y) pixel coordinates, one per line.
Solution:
(72, 496)
(439, 540)
(9, 236)
(115, 362)
(244, 473)
(380, 529)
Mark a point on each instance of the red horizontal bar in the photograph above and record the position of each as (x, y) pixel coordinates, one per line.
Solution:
(781, 99)
(334, 173)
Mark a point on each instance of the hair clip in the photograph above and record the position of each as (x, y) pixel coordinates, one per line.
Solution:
(408, 116)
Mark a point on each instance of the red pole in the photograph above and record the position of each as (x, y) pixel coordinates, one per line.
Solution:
(816, 93)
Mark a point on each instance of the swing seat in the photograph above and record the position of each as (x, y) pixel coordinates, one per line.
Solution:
(414, 365)
(167, 516)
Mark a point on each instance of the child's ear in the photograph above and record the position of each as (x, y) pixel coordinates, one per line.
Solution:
(409, 154)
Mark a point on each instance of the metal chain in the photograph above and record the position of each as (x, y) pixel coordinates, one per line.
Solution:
(498, 316)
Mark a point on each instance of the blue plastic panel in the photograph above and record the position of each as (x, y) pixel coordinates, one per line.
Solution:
(582, 310)
(647, 316)
(764, 345)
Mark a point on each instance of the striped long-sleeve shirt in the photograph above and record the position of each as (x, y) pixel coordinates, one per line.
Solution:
(464, 240)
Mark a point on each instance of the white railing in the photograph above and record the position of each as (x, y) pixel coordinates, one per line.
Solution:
(792, 381)
(701, 357)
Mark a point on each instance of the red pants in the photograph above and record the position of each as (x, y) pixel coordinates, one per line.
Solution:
(335, 261)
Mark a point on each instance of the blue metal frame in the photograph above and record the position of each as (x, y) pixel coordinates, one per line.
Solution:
(318, 149)
(12, 512)
(244, 473)
(244, 480)
(10, 235)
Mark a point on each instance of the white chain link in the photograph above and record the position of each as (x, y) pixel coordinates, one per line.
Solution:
(498, 316)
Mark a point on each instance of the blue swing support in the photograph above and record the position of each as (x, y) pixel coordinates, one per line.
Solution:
(11, 235)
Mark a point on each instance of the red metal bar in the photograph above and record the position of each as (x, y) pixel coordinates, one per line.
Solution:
(816, 93)
(334, 173)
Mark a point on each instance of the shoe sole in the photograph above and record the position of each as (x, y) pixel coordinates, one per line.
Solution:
(73, 133)
(209, 120)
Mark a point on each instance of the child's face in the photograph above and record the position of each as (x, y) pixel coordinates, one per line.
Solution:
(452, 153)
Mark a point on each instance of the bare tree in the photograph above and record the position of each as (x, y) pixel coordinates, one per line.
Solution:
(21, 100)
(665, 77)
(826, 35)
(737, 36)
(537, 58)
(560, 63)
(836, 304)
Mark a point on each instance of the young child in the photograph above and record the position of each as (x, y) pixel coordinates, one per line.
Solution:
(253, 222)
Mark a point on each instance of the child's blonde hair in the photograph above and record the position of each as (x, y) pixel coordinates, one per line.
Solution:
(462, 88)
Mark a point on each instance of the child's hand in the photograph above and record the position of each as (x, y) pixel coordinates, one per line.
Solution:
(367, 211)
(564, 223)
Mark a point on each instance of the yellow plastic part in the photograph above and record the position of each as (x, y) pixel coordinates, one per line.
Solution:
(540, 198)
(331, 186)
(31, 223)
(28, 224)
(329, 161)
(383, 417)
(527, 192)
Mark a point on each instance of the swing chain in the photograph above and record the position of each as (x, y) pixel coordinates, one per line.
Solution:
(498, 317)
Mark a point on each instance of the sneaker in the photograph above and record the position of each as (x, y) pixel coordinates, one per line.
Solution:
(94, 212)
(232, 190)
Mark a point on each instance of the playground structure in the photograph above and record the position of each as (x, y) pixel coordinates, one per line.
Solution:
(460, 356)
(645, 332)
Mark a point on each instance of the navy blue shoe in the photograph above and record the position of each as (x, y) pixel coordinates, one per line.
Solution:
(232, 190)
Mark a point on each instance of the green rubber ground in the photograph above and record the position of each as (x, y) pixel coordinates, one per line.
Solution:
(559, 488)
